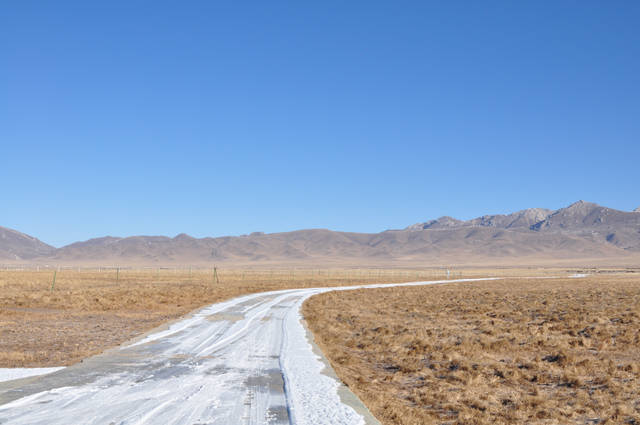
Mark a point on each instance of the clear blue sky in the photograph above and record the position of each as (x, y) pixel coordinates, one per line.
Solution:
(223, 118)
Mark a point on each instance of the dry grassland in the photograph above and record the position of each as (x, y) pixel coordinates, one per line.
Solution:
(88, 311)
(561, 351)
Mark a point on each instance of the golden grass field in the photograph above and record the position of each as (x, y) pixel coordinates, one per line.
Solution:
(556, 351)
(89, 310)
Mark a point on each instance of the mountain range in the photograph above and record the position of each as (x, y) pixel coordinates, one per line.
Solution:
(582, 230)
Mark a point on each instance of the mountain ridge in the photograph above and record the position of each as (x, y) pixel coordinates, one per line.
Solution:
(15, 245)
(582, 229)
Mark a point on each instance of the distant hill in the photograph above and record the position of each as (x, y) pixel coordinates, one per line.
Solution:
(584, 220)
(597, 223)
(581, 230)
(18, 246)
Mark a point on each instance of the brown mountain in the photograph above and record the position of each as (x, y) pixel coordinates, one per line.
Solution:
(18, 246)
(581, 230)
(594, 222)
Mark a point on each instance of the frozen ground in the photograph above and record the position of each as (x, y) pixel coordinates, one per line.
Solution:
(244, 361)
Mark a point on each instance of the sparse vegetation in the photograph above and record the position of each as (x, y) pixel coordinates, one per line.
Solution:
(87, 311)
(541, 351)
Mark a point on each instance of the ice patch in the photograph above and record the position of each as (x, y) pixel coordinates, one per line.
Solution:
(9, 374)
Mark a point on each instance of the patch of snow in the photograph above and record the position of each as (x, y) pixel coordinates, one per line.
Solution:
(9, 374)
(314, 396)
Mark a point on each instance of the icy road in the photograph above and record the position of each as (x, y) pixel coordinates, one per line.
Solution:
(245, 361)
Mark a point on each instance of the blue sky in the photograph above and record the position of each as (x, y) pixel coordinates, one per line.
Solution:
(223, 118)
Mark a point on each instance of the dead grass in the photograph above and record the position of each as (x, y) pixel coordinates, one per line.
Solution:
(89, 310)
(511, 351)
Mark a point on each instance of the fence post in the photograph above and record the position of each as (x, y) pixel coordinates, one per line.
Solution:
(53, 282)
(215, 275)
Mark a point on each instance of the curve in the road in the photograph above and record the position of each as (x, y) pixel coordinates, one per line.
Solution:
(244, 361)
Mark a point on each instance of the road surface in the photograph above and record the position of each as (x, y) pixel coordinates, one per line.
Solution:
(245, 361)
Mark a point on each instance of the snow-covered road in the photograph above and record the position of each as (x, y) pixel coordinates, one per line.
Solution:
(244, 361)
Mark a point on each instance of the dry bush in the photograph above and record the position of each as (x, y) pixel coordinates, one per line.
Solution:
(511, 351)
